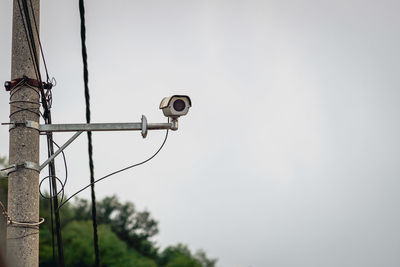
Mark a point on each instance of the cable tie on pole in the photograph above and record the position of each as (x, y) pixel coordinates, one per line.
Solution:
(18, 166)
(27, 124)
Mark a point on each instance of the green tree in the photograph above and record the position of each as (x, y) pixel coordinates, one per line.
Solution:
(78, 248)
(176, 256)
(132, 226)
(78, 245)
(138, 260)
(46, 235)
(124, 236)
(202, 258)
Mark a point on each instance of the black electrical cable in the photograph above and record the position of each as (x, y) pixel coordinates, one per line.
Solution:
(40, 43)
(118, 171)
(53, 247)
(52, 174)
(66, 172)
(52, 196)
(48, 93)
(89, 134)
(26, 20)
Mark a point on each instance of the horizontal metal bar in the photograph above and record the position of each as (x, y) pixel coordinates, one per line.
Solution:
(135, 126)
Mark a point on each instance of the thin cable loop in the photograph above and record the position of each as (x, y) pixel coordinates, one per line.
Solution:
(62, 183)
(61, 191)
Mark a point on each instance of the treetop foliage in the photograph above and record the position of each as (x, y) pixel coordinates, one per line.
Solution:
(124, 237)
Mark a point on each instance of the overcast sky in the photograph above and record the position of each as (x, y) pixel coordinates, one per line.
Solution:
(290, 155)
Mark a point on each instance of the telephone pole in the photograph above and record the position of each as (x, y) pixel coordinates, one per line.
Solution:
(23, 183)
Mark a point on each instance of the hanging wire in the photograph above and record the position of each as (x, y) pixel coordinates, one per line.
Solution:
(118, 171)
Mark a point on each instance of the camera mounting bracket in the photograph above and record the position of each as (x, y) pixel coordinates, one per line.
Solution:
(78, 128)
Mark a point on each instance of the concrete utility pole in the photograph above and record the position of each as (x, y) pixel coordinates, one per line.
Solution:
(23, 184)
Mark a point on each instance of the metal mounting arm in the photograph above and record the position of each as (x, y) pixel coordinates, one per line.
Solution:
(92, 127)
(134, 126)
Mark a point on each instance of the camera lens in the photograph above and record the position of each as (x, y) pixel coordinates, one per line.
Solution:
(179, 105)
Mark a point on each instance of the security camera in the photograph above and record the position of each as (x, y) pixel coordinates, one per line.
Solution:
(175, 106)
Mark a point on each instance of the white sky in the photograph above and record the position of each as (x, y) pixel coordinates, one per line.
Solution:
(290, 154)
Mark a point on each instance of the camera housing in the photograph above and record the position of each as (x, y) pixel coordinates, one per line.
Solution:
(175, 106)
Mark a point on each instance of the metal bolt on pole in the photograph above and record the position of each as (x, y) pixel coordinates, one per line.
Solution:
(23, 184)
